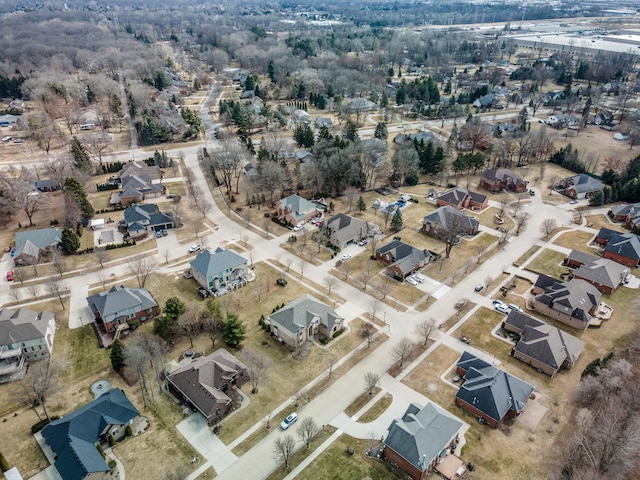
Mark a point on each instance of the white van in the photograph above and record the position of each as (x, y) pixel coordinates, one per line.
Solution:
(515, 308)
(87, 126)
(7, 139)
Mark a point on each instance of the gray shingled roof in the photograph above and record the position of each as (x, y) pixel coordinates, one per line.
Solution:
(625, 244)
(443, 215)
(406, 257)
(344, 228)
(575, 297)
(118, 299)
(598, 270)
(583, 183)
(299, 314)
(299, 207)
(422, 434)
(31, 241)
(22, 325)
(541, 341)
(210, 264)
(74, 436)
(200, 380)
(491, 390)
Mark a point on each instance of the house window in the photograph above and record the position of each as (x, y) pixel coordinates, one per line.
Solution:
(114, 432)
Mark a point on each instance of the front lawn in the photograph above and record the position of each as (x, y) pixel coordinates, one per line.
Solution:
(548, 262)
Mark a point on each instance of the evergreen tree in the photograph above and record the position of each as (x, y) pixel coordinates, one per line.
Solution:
(303, 135)
(351, 132)
(80, 156)
(233, 330)
(69, 241)
(362, 206)
(174, 307)
(597, 199)
(4, 465)
(381, 131)
(74, 188)
(271, 71)
(117, 355)
(397, 222)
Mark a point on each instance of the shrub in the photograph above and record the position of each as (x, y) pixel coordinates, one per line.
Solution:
(112, 464)
(112, 441)
(4, 465)
(40, 425)
(128, 431)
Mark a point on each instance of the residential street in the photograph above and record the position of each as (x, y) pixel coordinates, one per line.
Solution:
(327, 408)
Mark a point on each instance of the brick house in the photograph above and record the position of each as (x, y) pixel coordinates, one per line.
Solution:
(620, 247)
(629, 214)
(443, 219)
(419, 441)
(542, 346)
(221, 268)
(460, 198)
(300, 320)
(141, 219)
(488, 393)
(502, 179)
(402, 259)
(32, 244)
(294, 210)
(579, 186)
(207, 383)
(603, 273)
(75, 437)
(136, 189)
(342, 230)
(115, 309)
(573, 303)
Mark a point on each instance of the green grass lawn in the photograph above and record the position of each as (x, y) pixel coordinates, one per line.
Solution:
(548, 262)
(334, 463)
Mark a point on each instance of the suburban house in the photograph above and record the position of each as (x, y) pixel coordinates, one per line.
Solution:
(604, 274)
(629, 214)
(207, 382)
(620, 247)
(301, 117)
(141, 219)
(488, 101)
(562, 120)
(460, 198)
(304, 156)
(360, 104)
(502, 179)
(402, 259)
(294, 210)
(490, 394)
(25, 335)
(424, 137)
(32, 244)
(302, 319)
(418, 442)
(116, 309)
(542, 346)
(75, 437)
(342, 229)
(573, 303)
(323, 122)
(135, 189)
(448, 218)
(218, 269)
(140, 169)
(579, 186)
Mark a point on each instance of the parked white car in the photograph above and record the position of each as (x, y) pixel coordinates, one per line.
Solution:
(290, 420)
(194, 248)
(419, 277)
(411, 281)
(346, 256)
(298, 227)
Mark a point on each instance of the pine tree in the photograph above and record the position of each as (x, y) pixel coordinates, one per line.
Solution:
(80, 156)
(233, 330)
(74, 188)
(4, 465)
(69, 241)
(381, 131)
(361, 205)
(397, 222)
(117, 355)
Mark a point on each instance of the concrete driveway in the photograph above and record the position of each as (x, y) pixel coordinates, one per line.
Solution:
(196, 431)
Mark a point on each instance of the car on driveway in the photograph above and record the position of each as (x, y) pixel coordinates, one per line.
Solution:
(573, 202)
(502, 308)
(164, 232)
(158, 234)
(498, 302)
(9, 276)
(363, 242)
(290, 420)
(419, 277)
(194, 248)
(532, 193)
(298, 227)
(411, 281)
(479, 287)
(346, 256)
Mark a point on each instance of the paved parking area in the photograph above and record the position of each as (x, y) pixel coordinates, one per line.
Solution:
(533, 413)
(196, 431)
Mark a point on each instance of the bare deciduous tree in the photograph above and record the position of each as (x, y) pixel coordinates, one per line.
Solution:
(141, 268)
(258, 365)
(308, 430)
(371, 380)
(137, 357)
(424, 329)
(403, 349)
(521, 221)
(547, 226)
(331, 361)
(57, 288)
(188, 324)
(283, 449)
(58, 262)
(330, 281)
(20, 274)
(102, 256)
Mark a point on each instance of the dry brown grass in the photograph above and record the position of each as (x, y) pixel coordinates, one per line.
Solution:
(548, 262)
(602, 221)
(362, 399)
(575, 240)
(527, 255)
(376, 409)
